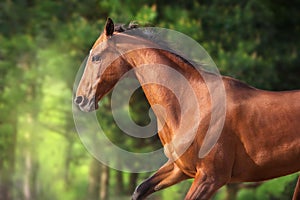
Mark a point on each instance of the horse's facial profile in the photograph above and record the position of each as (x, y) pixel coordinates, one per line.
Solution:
(104, 67)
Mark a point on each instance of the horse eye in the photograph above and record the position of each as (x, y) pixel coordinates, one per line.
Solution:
(96, 58)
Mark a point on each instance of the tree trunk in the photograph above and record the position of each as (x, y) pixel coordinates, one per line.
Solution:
(119, 183)
(132, 182)
(94, 177)
(27, 172)
(104, 182)
(8, 139)
(232, 190)
(68, 160)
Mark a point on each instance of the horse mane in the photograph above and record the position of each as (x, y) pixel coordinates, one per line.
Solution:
(134, 25)
(144, 31)
(123, 27)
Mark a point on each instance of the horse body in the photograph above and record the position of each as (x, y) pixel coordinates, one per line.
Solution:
(260, 138)
(266, 132)
(268, 142)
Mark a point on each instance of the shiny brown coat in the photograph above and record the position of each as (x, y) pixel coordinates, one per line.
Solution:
(260, 139)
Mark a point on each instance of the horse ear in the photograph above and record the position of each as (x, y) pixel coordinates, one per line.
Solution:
(109, 27)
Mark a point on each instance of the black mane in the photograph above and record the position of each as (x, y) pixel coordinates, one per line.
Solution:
(122, 27)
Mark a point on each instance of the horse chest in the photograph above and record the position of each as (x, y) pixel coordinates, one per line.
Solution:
(189, 170)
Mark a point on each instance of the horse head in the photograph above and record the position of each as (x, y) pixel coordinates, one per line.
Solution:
(104, 67)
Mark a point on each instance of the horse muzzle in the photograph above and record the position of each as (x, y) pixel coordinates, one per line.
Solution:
(85, 104)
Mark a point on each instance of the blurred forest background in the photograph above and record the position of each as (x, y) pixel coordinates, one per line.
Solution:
(42, 45)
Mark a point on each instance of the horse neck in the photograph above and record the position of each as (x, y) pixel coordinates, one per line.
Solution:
(169, 84)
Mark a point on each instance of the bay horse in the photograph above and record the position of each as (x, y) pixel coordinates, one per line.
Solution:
(260, 139)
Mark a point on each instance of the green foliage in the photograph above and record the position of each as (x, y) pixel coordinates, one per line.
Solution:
(273, 189)
(44, 42)
(146, 14)
(177, 192)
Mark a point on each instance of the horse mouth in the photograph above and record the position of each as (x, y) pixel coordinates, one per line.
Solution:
(89, 108)
(85, 104)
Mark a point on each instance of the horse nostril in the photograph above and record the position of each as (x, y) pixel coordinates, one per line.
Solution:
(78, 100)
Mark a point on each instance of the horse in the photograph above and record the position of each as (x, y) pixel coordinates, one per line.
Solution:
(260, 138)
